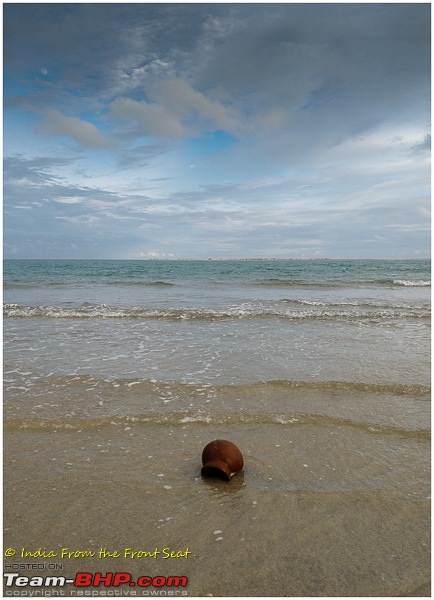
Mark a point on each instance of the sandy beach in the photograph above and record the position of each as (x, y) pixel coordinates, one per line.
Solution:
(217, 226)
(118, 374)
(281, 528)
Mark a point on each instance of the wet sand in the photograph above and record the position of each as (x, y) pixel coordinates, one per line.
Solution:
(316, 512)
(118, 373)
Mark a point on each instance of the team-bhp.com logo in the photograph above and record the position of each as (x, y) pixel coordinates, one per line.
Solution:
(83, 580)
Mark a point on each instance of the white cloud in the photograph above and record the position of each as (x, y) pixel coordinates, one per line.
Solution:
(327, 112)
(182, 100)
(83, 132)
(176, 110)
(69, 200)
(154, 254)
(156, 120)
(79, 220)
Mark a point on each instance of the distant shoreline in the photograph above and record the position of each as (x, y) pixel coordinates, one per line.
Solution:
(225, 259)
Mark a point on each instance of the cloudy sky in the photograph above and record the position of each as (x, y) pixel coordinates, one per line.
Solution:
(216, 130)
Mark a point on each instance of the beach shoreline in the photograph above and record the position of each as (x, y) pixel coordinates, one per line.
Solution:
(117, 374)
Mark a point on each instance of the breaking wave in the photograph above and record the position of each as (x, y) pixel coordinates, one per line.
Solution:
(298, 283)
(411, 283)
(127, 422)
(281, 309)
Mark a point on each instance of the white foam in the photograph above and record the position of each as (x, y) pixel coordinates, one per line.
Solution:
(195, 419)
(411, 283)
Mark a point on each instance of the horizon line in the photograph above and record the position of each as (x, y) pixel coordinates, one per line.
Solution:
(253, 258)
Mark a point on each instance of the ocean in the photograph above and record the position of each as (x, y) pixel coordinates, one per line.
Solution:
(117, 374)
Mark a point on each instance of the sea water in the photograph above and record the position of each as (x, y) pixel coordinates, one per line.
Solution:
(117, 373)
(219, 322)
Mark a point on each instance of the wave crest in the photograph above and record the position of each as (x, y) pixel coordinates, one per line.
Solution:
(300, 310)
(215, 420)
(413, 283)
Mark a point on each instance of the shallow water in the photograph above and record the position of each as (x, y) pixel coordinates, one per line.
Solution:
(117, 374)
